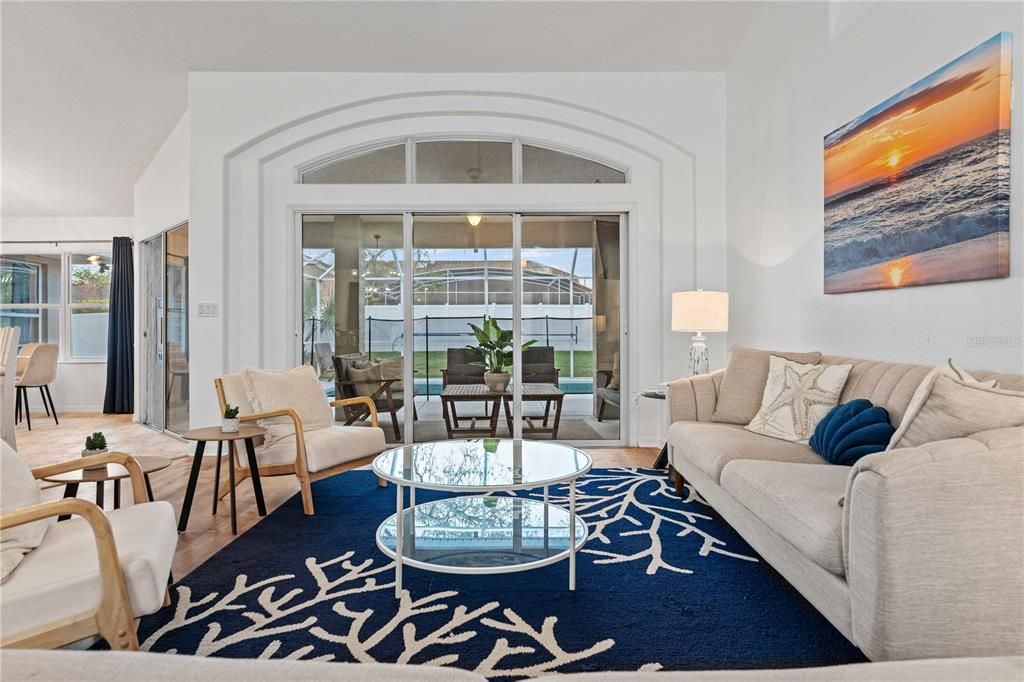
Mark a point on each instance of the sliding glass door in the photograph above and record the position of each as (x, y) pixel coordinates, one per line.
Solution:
(426, 314)
(164, 262)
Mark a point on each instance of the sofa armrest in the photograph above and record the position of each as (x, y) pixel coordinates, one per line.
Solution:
(694, 398)
(933, 544)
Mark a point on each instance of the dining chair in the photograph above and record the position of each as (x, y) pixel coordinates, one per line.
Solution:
(37, 368)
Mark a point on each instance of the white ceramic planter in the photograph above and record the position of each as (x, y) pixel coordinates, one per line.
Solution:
(497, 381)
(88, 453)
(229, 425)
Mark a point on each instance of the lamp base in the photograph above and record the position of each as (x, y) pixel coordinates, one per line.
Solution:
(699, 361)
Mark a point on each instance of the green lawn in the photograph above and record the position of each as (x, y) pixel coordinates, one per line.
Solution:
(584, 362)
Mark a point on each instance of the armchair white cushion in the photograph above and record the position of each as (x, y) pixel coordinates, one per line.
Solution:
(18, 489)
(60, 578)
(325, 448)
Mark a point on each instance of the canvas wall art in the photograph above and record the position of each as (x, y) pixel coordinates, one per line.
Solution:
(917, 189)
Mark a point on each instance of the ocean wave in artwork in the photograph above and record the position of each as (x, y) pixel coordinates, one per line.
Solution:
(957, 195)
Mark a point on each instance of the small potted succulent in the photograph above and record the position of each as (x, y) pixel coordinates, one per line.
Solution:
(96, 444)
(230, 423)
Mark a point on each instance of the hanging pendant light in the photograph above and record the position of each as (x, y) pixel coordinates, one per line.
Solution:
(474, 219)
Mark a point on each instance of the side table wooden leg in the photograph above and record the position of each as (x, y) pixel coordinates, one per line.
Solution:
(216, 476)
(149, 488)
(190, 489)
(117, 493)
(101, 488)
(254, 474)
(231, 479)
(70, 490)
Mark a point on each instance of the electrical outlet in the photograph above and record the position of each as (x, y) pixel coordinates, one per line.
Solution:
(207, 310)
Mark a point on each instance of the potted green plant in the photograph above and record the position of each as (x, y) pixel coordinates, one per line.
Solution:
(494, 352)
(230, 423)
(96, 444)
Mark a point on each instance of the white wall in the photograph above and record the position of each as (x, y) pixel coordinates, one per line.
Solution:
(246, 128)
(80, 384)
(802, 70)
(161, 193)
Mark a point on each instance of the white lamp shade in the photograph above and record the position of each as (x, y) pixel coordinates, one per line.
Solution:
(700, 311)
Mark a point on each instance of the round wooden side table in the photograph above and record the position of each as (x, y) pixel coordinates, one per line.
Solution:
(109, 472)
(246, 432)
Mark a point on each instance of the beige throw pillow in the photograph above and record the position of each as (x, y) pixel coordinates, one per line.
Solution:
(743, 383)
(956, 409)
(796, 397)
(298, 389)
(366, 378)
(924, 389)
(615, 382)
(18, 489)
(391, 368)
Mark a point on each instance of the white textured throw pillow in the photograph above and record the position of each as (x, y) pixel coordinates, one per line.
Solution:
(924, 389)
(298, 389)
(796, 397)
(18, 489)
(956, 409)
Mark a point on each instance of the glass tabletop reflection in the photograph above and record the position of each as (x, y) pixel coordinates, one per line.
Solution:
(482, 534)
(482, 464)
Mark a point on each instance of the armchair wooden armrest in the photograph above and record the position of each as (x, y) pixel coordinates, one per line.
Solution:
(138, 479)
(360, 400)
(283, 412)
(113, 618)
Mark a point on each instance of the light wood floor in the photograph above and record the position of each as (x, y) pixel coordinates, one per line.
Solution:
(47, 443)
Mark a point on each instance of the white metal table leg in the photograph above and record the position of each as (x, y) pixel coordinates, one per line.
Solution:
(545, 518)
(399, 533)
(572, 535)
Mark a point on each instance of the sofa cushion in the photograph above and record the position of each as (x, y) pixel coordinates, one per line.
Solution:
(746, 374)
(61, 578)
(955, 409)
(325, 448)
(924, 389)
(710, 447)
(797, 501)
(892, 384)
(796, 397)
(18, 489)
(851, 431)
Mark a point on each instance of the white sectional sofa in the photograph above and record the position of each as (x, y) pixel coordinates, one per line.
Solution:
(924, 556)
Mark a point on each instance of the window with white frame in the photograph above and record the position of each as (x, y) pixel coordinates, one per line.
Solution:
(483, 161)
(61, 298)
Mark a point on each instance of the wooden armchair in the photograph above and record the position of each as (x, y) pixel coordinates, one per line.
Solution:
(310, 451)
(60, 593)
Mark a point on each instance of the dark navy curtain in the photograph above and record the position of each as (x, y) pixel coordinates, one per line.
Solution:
(121, 332)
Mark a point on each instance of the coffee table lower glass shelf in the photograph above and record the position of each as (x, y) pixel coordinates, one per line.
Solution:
(481, 535)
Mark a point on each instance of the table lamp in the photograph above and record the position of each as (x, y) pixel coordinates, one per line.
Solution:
(700, 311)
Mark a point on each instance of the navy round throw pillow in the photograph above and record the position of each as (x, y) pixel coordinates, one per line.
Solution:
(850, 431)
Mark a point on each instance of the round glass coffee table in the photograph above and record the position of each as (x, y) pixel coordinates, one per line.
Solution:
(482, 534)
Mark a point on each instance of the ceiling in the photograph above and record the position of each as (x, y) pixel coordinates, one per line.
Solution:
(90, 90)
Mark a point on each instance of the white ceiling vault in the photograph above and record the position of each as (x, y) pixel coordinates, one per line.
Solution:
(90, 90)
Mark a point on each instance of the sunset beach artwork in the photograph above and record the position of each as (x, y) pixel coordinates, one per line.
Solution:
(917, 189)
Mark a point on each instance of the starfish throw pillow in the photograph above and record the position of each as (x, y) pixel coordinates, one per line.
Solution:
(796, 398)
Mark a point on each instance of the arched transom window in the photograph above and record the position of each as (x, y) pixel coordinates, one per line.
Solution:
(483, 161)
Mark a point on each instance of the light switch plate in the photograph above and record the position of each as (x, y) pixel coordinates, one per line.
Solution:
(207, 310)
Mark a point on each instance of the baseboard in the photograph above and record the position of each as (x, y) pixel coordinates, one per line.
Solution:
(650, 443)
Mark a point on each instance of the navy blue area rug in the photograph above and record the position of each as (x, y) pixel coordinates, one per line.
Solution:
(662, 583)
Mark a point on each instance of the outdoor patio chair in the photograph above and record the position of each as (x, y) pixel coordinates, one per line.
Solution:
(356, 375)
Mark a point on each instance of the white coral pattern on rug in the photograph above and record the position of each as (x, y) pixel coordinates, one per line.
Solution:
(631, 495)
(277, 614)
(641, 499)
